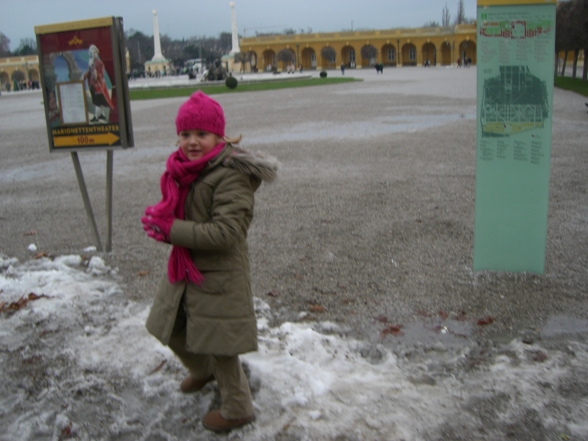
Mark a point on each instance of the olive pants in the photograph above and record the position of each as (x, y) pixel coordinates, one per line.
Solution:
(228, 372)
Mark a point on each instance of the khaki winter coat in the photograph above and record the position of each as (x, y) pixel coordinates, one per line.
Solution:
(218, 211)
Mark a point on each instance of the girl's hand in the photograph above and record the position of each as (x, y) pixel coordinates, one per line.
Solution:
(158, 227)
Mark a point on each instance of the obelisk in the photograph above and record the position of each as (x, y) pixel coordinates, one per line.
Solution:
(235, 49)
(158, 56)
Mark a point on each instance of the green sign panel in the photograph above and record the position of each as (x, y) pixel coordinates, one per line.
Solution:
(515, 62)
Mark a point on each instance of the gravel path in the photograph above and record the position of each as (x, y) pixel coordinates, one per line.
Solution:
(369, 224)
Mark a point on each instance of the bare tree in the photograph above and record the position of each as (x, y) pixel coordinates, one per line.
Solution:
(570, 24)
(173, 50)
(140, 48)
(226, 42)
(460, 18)
(580, 24)
(285, 55)
(576, 43)
(368, 52)
(243, 58)
(4, 45)
(27, 46)
(563, 34)
(445, 18)
(329, 54)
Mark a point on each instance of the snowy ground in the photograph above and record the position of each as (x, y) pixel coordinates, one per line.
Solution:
(88, 370)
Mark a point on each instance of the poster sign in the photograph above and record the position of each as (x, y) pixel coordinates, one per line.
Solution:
(84, 84)
(516, 46)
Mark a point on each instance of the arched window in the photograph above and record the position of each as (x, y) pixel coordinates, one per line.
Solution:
(412, 54)
(391, 54)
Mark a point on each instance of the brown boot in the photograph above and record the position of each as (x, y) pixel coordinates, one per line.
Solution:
(192, 384)
(217, 423)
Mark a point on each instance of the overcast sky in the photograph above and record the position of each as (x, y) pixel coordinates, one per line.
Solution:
(187, 18)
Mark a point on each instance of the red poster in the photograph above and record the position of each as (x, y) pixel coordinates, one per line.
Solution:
(79, 77)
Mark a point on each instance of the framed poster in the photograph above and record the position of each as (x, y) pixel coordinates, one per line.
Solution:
(84, 82)
(516, 46)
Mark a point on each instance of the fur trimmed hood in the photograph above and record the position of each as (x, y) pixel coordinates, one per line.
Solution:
(262, 166)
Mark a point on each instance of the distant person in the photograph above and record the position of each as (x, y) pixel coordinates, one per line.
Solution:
(204, 307)
(342, 68)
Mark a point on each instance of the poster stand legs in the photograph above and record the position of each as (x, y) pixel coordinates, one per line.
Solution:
(86, 198)
(109, 167)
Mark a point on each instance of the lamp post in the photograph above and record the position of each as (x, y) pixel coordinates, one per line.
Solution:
(452, 51)
(298, 55)
(27, 78)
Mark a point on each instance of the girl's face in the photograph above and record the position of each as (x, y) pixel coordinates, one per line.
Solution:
(197, 143)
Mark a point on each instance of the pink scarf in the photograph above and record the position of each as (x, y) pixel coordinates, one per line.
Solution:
(175, 185)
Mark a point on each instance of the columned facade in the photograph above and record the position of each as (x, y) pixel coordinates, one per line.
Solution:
(19, 69)
(439, 46)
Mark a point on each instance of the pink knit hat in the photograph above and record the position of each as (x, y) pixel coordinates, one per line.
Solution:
(201, 112)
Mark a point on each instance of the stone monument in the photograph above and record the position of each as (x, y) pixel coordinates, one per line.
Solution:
(235, 49)
(158, 65)
(229, 60)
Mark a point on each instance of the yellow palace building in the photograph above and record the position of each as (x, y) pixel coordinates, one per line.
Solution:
(393, 47)
(18, 68)
(436, 46)
(441, 46)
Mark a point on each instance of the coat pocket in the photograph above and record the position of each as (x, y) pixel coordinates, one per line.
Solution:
(214, 282)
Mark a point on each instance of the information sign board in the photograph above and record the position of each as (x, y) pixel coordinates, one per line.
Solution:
(516, 46)
(85, 91)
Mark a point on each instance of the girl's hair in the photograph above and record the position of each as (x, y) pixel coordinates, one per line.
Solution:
(235, 141)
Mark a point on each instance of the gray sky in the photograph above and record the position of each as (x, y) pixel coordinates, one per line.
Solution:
(187, 18)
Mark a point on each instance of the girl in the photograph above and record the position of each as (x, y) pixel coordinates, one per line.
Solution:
(204, 308)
